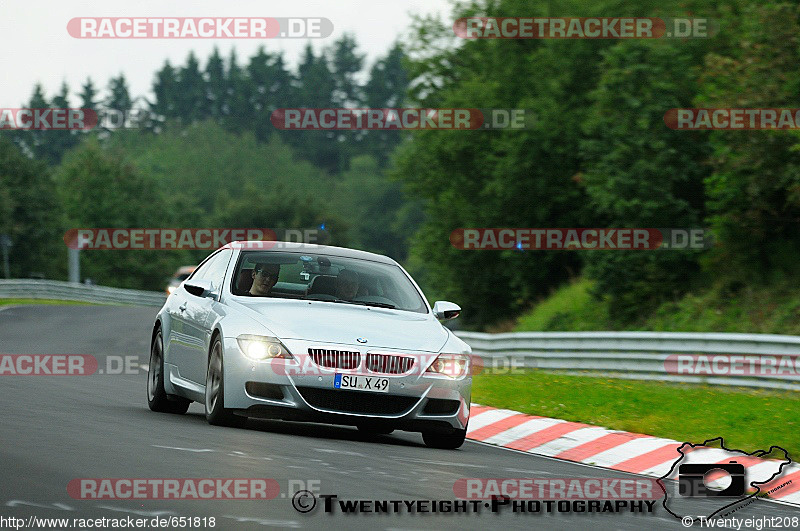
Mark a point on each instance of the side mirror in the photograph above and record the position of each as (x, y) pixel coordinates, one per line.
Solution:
(200, 288)
(444, 310)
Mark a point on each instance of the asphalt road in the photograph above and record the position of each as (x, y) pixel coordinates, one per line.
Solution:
(59, 428)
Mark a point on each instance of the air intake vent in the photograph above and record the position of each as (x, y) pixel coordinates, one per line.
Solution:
(335, 359)
(357, 402)
(389, 363)
(264, 390)
(440, 406)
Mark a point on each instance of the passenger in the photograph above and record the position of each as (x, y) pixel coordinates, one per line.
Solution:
(265, 276)
(347, 285)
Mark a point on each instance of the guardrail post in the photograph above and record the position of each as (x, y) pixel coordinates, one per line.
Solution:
(74, 265)
(5, 244)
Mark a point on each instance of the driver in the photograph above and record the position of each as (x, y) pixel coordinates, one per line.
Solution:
(347, 285)
(265, 276)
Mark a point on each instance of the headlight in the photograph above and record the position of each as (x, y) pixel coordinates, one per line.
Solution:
(262, 347)
(452, 365)
(170, 289)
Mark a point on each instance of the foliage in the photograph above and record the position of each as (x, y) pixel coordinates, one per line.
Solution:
(30, 214)
(101, 189)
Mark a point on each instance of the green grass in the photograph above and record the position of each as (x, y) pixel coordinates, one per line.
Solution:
(747, 419)
(571, 307)
(14, 302)
(773, 309)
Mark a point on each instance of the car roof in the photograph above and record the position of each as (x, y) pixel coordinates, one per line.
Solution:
(295, 247)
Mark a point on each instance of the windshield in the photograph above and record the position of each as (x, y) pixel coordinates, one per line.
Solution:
(325, 278)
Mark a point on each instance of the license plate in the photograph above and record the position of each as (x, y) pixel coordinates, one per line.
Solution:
(361, 383)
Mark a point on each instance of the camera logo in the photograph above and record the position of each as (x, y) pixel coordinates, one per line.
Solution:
(705, 480)
(726, 479)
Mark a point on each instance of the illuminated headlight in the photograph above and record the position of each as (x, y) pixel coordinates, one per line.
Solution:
(452, 365)
(262, 347)
(170, 289)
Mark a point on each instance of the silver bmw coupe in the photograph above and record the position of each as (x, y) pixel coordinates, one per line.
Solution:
(310, 333)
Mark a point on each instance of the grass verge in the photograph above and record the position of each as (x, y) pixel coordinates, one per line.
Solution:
(773, 309)
(747, 419)
(14, 302)
(571, 307)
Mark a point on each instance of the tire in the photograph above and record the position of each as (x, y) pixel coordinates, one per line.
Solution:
(157, 398)
(444, 441)
(216, 413)
(374, 430)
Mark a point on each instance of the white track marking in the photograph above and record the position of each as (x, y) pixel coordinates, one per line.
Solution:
(489, 417)
(570, 440)
(523, 430)
(629, 450)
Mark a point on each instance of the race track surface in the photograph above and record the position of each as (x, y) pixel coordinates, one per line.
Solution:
(59, 428)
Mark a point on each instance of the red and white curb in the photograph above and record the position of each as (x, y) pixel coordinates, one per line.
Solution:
(616, 450)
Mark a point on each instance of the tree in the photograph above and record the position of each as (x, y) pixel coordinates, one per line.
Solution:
(315, 79)
(59, 142)
(119, 97)
(346, 63)
(754, 190)
(89, 95)
(640, 173)
(33, 142)
(514, 178)
(100, 189)
(215, 85)
(281, 84)
(386, 88)
(270, 88)
(386, 219)
(165, 88)
(238, 97)
(315, 91)
(191, 102)
(31, 215)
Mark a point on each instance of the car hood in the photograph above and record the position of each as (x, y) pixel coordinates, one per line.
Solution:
(327, 322)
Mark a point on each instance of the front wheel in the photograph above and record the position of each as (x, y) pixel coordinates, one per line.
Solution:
(445, 441)
(216, 413)
(157, 398)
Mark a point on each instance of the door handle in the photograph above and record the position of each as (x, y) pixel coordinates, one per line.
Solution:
(182, 307)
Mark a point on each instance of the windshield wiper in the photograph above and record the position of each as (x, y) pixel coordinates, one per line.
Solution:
(361, 303)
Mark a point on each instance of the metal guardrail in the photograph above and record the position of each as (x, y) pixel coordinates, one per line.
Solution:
(632, 355)
(638, 355)
(54, 289)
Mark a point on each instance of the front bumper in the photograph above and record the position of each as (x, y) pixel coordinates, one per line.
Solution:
(301, 390)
